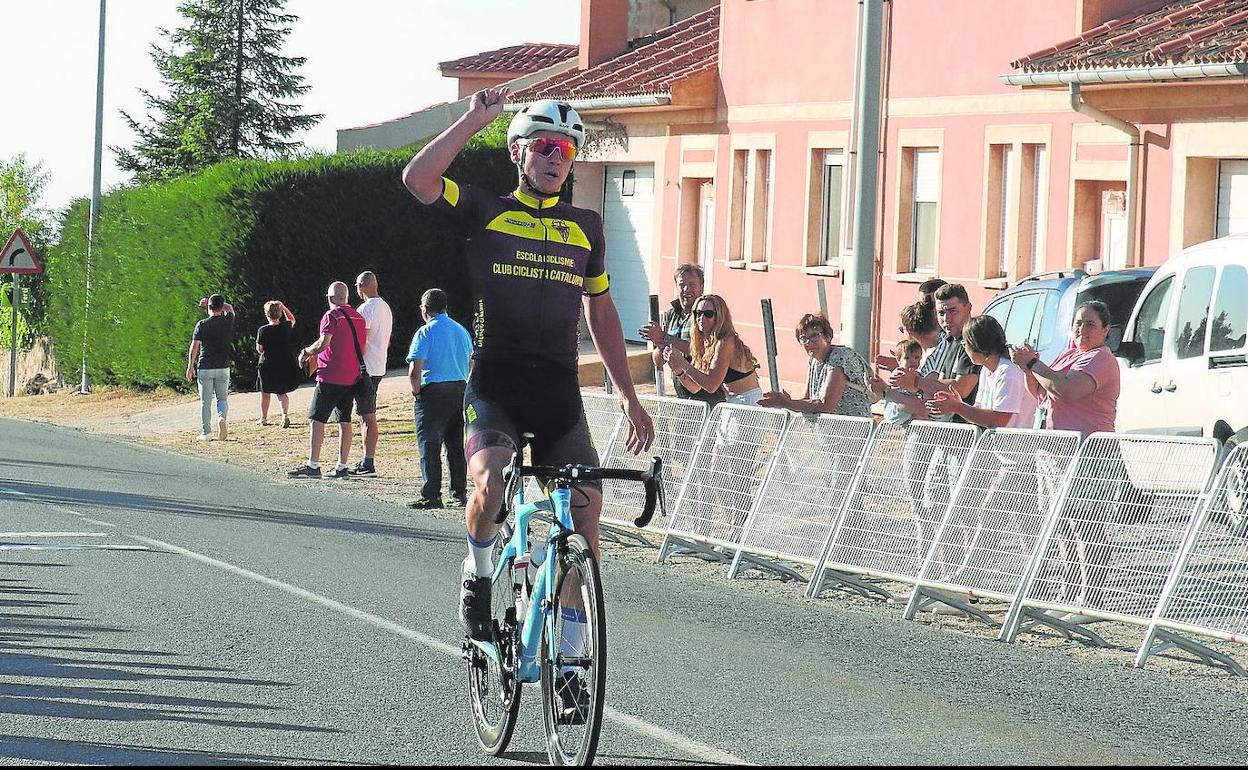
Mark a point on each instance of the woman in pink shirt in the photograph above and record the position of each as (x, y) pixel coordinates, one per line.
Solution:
(1078, 391)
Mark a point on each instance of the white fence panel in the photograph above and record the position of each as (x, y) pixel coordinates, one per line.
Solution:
(1119, 527)
(602, 412)
(678, 424)
(1209, 595)
(809, 480)
(732, 458)
(998, 513)
(898, 501)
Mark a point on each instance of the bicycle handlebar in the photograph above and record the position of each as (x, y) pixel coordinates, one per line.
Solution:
(652, 478)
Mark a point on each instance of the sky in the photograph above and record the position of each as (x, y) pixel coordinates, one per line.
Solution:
(367, 61)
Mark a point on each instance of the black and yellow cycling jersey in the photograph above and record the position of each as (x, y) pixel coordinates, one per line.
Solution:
(530, 260)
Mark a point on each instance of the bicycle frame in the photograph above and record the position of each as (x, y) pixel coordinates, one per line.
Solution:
(541, 597)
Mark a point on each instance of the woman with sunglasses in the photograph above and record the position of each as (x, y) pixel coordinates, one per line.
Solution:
(718, 356)
(836, 381)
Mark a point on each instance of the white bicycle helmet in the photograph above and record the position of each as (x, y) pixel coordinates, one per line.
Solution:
(547, 115)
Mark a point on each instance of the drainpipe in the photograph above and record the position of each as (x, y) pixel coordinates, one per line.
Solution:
(1133, 161)
(855, 120)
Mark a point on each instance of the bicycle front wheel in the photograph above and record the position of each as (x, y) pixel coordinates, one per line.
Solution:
(493, 689)
(574, 658)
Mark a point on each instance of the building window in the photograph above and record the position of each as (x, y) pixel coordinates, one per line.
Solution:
(751, 205)
(1232, 197)
(1015, 201)
(924, 210)
(830, 209)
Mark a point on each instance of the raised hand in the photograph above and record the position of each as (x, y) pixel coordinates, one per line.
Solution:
(487, 104)
(652, 332)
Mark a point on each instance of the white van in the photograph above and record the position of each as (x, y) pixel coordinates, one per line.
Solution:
(1183, 357)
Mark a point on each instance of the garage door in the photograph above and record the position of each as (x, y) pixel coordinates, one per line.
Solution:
(1232, 197)
(627, 214)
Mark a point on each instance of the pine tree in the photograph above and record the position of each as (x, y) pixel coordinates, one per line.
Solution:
(227, 87)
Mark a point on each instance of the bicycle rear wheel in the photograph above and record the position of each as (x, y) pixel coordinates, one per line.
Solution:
(574, 658)
(493, 689)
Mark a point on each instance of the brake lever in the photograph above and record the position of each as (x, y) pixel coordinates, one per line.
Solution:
(653, 480)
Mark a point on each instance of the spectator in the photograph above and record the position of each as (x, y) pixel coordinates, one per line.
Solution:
(438, 370)
(208, 361)
(1007, 477)
(1078, 391)
(341, 379)
(909, 355)
(675, 326)
(718, 358)
(380, 322)
(1002, 399)
(918, 322)
(927, 290)
(932, 470)
(836, 379)
(278, 373)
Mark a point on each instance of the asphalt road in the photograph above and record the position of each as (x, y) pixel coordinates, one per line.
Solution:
(160, 609)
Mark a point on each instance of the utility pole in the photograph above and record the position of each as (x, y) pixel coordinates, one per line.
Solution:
(859, 272)
(95, 193)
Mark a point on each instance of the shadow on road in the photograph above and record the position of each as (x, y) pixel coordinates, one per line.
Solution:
(80, 467)
(42, 493)
(105, 682)
(64, 752)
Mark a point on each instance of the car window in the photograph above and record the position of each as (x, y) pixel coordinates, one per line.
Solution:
(1150, 324)
(1119, 297)
(1000, 311)
(1193, 317)
(1048, 320)
(1230, 310)
(1022, 316)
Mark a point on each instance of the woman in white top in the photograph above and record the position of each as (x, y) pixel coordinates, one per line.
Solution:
(1008, 476)
(1003, 400)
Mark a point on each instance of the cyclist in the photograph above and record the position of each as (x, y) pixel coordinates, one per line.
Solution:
(532, 262)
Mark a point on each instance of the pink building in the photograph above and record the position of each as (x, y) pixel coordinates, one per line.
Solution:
(725, 140)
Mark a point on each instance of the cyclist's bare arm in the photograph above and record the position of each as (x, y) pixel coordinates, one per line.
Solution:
(604, 327)
(423, 175)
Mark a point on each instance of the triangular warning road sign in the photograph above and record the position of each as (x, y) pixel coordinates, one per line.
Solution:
(18, 255)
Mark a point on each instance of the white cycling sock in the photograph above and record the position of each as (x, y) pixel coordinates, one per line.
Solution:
(480, 560)
(572, 636)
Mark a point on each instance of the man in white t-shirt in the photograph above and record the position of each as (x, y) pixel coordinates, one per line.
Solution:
(380, 322)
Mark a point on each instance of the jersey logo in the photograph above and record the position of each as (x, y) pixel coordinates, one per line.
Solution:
(522, 223)
(561, 227)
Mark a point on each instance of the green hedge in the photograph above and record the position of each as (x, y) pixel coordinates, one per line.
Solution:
(253, 231)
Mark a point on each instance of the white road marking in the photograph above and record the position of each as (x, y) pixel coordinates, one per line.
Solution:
(53, 534)
(674, 740)
(79, 547)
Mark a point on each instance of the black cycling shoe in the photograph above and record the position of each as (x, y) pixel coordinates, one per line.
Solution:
(573, 698)
(474, 606)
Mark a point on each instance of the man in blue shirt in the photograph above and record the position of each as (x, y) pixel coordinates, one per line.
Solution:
(438, 370)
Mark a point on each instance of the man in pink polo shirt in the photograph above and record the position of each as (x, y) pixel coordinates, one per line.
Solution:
(341, 379)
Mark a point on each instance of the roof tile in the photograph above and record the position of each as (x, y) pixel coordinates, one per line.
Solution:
(519, 59)
(653, 65)
(1167, 33)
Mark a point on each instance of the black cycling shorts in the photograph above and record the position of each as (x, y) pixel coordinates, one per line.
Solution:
(503, 402)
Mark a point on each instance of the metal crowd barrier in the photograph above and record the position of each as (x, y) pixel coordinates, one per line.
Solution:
(994, 523)
(678, 425)
(1209, 593)
(898, 500)
(804, 492)
(733, 456)
(1119, 526)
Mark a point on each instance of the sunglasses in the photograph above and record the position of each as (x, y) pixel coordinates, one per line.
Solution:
(704, 314)
(548, 147)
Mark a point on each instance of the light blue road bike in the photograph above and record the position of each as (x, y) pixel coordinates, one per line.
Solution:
(549, 624)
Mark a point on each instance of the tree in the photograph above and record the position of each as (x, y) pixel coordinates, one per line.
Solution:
(227, 91)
